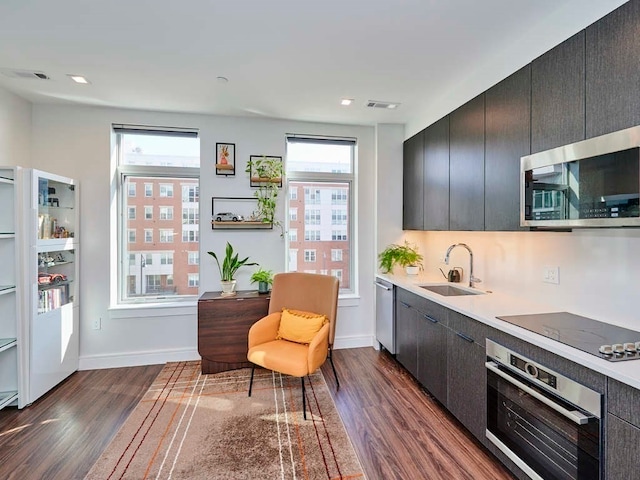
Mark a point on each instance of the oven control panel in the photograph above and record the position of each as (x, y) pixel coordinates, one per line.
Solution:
(533, 371)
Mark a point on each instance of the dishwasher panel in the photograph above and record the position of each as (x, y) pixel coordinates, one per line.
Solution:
(385, 316)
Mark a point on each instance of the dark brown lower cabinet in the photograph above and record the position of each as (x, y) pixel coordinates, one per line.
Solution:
(622, 431)
(467, 377)
(406, 336)
(223, 327)
(432, 355)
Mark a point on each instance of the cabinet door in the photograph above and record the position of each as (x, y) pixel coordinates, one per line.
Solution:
(466, 166)
(432, 358)
(413, 183)
(436, 176)
(613, 71)
(467, 383)
(507, 116)
(557, 95)
(622, 453)
(406, 337)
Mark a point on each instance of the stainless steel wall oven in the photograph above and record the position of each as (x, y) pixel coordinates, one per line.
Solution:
(546, 423)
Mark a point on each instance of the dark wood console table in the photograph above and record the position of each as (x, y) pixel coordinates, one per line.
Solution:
(223, 326)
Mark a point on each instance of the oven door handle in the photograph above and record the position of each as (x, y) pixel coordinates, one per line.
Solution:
(573, 415)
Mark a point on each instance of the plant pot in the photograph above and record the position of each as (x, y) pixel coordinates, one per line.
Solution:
(228, 288)
(263, 287)
(412, 270)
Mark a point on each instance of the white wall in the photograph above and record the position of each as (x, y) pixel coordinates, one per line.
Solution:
(15, 130)
(76, 142)
(389, 138)
(598, 267)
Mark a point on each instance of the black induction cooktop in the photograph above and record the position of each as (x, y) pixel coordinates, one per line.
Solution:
(606, 341)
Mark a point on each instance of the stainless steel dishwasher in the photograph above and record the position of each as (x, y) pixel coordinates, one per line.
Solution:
(385, 317)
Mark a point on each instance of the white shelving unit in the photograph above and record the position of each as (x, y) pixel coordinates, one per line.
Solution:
(53, 282)
(10, 368)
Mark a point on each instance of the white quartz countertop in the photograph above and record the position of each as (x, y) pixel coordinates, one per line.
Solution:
(485, 308)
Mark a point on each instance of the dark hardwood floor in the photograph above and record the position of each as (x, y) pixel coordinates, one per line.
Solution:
(398, 431)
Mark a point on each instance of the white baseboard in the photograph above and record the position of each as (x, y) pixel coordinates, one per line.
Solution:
(155, 357)
(355, 341)
(134, 359)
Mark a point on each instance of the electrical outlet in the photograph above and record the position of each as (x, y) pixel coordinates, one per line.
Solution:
(97, 323)
(551, 275)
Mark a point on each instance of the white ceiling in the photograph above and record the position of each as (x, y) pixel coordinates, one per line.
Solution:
(291, 59)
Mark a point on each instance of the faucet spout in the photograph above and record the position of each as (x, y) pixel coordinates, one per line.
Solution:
(472, 279)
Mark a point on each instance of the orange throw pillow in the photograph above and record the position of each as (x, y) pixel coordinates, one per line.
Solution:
(300, 327)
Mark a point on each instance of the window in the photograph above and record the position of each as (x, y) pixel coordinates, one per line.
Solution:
(190, 216)
(166, 190)
(190, 236)
(338, 217)
(166, 213)
(322, 168)
(312, 235)
(312, 217)
(164, 162)
(293, 214)
(293, 234)
(194, 258)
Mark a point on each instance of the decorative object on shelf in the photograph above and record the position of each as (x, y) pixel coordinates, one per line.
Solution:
(406, 256)
(264, 279)
(225, 159)
(266, 173)
(236, 213)
(228, 269)
(265, 170)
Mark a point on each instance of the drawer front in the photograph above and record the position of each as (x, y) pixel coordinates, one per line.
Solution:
(424, 306)
(468, 329)
(623, 401)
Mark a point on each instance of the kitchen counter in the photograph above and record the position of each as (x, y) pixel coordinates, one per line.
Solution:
(485, 308)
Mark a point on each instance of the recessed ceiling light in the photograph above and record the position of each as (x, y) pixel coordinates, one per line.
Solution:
(79, 79)
(392, 105)
(346, 101)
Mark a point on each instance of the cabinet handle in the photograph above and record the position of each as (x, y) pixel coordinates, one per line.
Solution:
(465, 337)
(382, 286)
(405, 305)
(431, 319)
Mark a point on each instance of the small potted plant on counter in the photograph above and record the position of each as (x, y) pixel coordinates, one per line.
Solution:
(264, 278)
(228, 269)
(406, 256)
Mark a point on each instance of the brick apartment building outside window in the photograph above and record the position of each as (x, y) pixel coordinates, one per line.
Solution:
(320, 176)
(158, 259)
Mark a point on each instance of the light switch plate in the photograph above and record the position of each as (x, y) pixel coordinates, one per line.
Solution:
(551, 275)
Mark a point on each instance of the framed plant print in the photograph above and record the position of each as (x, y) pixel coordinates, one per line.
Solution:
(225, 159)
(265, 169)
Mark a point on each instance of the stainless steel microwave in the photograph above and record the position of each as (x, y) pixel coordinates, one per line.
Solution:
(593, 183)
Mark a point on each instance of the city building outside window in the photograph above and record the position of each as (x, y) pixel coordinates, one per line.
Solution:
(323, 169)
(293, 214)
(158, 267)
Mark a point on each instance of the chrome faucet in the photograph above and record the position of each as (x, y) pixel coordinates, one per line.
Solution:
(472, 279)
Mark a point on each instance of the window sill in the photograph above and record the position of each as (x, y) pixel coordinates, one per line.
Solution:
(145, 310)
(349, 300)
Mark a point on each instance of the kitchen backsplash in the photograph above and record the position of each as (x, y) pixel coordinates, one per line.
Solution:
(599, 270)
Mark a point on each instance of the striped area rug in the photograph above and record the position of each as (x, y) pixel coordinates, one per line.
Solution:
(194, 426)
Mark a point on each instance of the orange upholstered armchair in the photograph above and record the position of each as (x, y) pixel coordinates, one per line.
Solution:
(296, 337)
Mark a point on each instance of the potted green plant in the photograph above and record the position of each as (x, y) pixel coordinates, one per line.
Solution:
(267, 173)
(406, 256)
(228, 269)
(264, 278)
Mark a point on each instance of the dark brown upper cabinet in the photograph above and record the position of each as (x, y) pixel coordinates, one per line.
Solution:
(466, 166)
(507, 138)
(413, 183)
(557, 95)
(436, 176)
(613, 71)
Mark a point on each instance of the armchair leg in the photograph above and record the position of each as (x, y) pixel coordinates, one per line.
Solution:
(253, 369)
(304, 400)
(335, 374)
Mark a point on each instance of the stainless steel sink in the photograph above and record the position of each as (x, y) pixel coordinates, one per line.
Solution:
(450, 290)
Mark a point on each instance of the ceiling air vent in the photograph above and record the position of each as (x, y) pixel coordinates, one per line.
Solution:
(32, 74)
(378, 104)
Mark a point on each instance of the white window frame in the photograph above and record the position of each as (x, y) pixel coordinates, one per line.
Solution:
(193, 258)
(148, 235)
(166, 213)
(309, 255)
(333, 177)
